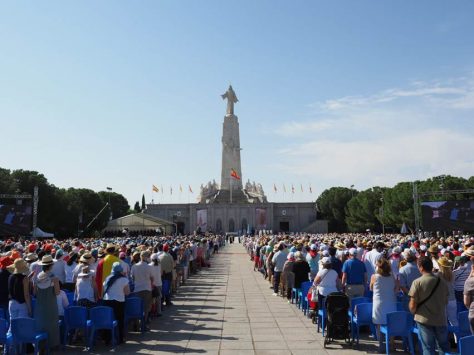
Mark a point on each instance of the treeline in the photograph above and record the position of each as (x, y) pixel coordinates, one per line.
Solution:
(64, 211)
(347, 209)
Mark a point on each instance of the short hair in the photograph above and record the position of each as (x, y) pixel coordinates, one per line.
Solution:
(379, 245)
(332, 251)
(383, 267)
(425, 263)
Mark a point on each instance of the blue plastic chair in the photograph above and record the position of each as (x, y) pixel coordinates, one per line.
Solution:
(362, 316)
(23, 331)
(460, 307)
(294, 295)
(3, 334)
(134, 310)
(302, 293)
(466, 345)
(354, 302)
(102, 318)
(398, 324)
(75, 317)
(322, 316)
(463, 329)
(70, 298)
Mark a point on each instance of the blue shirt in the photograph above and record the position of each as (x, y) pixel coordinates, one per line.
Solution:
(355, 270)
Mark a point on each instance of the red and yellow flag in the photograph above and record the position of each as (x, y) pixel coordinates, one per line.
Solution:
(275, 188)
(154, 188)
(190, 189)
(234, 174)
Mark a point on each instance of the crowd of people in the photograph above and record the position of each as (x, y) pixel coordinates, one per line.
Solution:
(432, 275)
(37, 276)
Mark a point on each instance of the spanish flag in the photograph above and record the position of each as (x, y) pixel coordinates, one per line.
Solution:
(234, 174)
(275, 188)
(180, 188)
(154, 188)
(190, 189)
(310, 189)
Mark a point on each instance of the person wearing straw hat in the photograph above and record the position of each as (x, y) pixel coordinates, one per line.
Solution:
(46, 309)
(469, 290)
(19, 290)
(446, 272)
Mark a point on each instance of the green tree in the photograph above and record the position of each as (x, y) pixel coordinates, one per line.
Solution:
(137, 208)
(143, 202)
(363, 211)
(398, 206)
(332, 206)
(118, 203)
(8, 184)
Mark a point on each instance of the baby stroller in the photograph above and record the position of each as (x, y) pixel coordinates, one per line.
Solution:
(337, 307)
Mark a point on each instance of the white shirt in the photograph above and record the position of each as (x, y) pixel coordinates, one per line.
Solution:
(84, 288)
(328, 281)
(115, 292)
(70, 272)
(62, 301)
(156, 273)
(142, 277)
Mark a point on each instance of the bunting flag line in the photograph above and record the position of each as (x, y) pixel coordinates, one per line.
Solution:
(154, 188)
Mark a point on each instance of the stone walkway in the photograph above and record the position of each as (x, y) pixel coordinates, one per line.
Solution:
(229, 309)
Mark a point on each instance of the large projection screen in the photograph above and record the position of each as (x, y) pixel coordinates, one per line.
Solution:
(448, 215)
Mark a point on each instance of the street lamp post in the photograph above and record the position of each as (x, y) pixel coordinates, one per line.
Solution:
(383, 215)
(109, 189)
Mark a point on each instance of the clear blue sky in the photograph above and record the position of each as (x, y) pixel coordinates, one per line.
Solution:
(126, 93)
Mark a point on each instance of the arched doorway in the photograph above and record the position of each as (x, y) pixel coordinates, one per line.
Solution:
(243, 225)
(218, 225)
(231, 225)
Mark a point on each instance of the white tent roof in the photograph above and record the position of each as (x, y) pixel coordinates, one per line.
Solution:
(138, 221)
(38, 233)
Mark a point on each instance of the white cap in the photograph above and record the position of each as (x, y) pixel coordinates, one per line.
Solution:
(352, 251)
(326, 260)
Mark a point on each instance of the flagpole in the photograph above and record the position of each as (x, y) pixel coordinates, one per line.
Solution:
(230, 178)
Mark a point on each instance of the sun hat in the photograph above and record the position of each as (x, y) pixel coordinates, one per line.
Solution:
(313, 247)
(19, 267)
(31, 257)
(445, 262)
(326, 260)
(110, 248)
(155, 257)
(86, 258)
(46, 260)
(397, 250)
(117, 268)
(352, 251)
(433, 249)
(42, 276)
(291, 256)
(469, 252)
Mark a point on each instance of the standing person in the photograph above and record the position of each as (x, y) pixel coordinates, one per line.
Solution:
(372, 257)
(460, 275)
(300, 269)
(384, 286)
(445, 271)
(157, 283)
(409, 272)
(5, 262)
(469, 292)
(59, 267)
(313, 261)
(166, 262)
(115, 290)
(69, 272)
(326, 281)
(288, 278)
(104, 267)
(46, 309)
(336, 263)
(19, 290)
(278, 261)
(428, 300)
(354, 276)
(86, 288)
(143, 279)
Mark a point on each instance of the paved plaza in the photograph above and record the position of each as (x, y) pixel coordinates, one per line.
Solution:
(229, 309)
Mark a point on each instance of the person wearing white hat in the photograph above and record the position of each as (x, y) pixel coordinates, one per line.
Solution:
(327, 280)
(312, 257)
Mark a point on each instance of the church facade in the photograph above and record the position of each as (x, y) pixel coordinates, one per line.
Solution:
(233, 207)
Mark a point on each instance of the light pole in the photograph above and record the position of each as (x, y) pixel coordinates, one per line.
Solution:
(352, 190)
(109, 189)
(383, 215)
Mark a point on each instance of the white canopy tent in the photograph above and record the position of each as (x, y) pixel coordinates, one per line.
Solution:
(139, 221)
(38, 233)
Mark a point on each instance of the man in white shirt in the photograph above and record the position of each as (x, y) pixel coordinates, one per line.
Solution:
(143, 279)
(372, 257)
